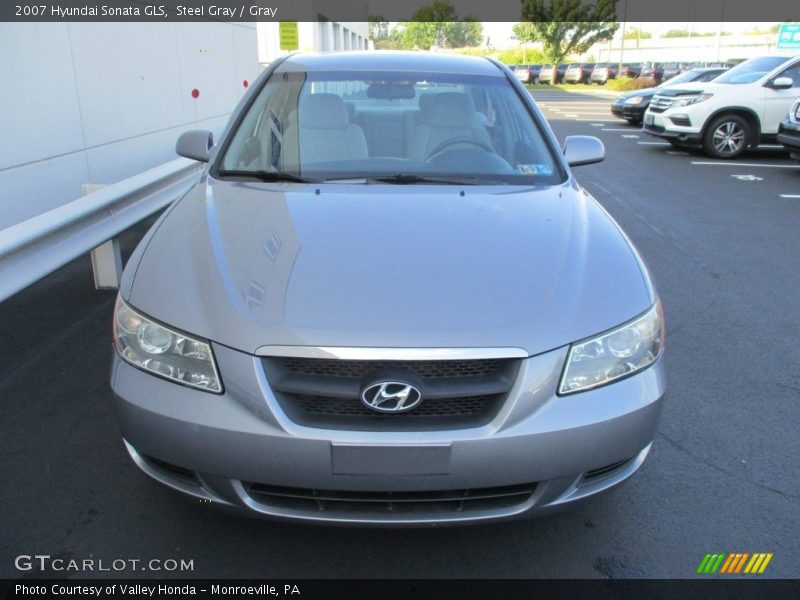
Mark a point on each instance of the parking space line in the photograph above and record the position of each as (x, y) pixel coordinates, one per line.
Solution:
(654, 143)
(738, 164)
(790, 195)
(628, 129)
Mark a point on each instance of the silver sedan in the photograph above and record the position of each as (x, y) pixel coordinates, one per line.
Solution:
(388, 302)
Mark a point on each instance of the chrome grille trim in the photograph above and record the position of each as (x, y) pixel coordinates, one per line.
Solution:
(366, 353)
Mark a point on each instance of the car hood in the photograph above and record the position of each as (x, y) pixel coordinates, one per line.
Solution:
(253, 264)
(644, 92)
(680, 89)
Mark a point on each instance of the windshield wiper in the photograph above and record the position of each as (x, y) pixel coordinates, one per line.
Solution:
(268, 176)
(410, 179)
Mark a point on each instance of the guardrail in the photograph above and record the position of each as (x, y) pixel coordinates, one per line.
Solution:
(35, 248)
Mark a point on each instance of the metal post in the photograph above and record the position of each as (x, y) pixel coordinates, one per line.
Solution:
(622, 43)
(106, 258)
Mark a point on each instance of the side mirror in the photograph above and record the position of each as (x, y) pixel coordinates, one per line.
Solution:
(195, 144)
(583, 150)
(782, 83)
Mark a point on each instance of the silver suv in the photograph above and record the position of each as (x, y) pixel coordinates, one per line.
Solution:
(388, 302)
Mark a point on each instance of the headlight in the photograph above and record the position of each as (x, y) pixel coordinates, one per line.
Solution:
(687, 100)
(152, 347)
(635, 100)
(618, 353)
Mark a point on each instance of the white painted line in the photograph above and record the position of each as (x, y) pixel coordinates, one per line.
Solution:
(738, 164)
(630, 136)
(656, 144)
(790, 195)
(628, 129)
(597, 124)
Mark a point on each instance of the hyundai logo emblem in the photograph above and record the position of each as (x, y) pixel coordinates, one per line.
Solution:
(391, 397)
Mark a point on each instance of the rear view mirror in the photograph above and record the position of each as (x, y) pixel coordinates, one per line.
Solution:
(195, 144)
(391, 91)
(782, 83)
(583, 150)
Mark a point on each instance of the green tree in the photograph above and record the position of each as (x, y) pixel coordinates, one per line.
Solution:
(378, 28)
(566, 27)
(676, 33)
(634, 33)
(438, 25)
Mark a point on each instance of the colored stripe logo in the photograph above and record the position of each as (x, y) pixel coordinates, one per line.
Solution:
(734, 563)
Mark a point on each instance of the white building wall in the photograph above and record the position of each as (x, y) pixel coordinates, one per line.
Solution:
(317, 36)
(98, 102)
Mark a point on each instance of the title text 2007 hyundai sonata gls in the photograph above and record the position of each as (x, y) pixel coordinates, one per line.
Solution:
(388, 302)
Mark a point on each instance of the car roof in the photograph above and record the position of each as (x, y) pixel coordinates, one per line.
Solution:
(385, 60)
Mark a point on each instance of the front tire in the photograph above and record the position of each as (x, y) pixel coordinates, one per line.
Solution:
(727, 137)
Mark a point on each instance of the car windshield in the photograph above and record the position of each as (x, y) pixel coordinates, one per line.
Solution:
(399, 127)
(686, 77)
(751, 70)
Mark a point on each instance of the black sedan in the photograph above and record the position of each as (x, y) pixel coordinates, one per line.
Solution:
(789, 131)
(632, 106)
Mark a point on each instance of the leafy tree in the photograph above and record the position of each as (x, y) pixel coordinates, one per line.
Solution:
(634, 33)
(676, 33)
(378, 28)
(438, 25)
(566, 27)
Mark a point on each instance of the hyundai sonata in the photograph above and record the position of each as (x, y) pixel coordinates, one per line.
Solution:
(388, 301)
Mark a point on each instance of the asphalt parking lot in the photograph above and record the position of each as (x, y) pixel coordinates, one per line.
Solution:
(722, 240)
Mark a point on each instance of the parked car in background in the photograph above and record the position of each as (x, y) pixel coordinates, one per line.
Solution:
(674, 69)
(602, 72)
(652, 71)
(546, 73)
(632, 106)
(301, 336)
(741, 108)
(789, 131)
(630, 70)
(527, 73)
(578, 73)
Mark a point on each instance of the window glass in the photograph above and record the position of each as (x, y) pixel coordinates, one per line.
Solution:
(331, 125)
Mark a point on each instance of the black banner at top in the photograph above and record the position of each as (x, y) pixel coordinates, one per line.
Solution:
(388, 10)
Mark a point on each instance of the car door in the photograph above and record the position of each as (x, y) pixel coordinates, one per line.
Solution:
(778, 102)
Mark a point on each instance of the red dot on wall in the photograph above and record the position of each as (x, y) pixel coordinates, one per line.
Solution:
(245, 83)
(195, 93)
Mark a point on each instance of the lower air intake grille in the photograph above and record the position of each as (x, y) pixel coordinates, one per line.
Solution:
(390, 503)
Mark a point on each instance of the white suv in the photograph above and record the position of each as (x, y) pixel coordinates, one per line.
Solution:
(742, 107)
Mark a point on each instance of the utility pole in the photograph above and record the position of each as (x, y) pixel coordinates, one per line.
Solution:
(622, 43)
(719, 33)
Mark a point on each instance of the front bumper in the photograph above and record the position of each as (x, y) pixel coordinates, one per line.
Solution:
(629, 111)
(538, 454)
(663, 127)
(789, 136)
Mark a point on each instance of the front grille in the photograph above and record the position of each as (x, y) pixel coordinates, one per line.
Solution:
(660, 103)
(376, 504)
(422, 368)
(326, 393)
(445, 407)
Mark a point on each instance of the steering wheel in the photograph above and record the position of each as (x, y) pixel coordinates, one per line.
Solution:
(459, 140)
